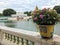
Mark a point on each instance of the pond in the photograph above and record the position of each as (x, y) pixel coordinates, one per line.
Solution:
(26, 25)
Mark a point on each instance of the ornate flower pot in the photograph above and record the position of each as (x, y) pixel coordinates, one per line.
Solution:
(46, 31)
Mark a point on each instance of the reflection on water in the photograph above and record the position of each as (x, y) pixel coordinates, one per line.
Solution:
(23, 24)
(27, 25)
(9, 23)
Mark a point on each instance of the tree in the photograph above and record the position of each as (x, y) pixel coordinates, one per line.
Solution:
(57, 8)
(8, 12)
(1, 14)
(28, 13)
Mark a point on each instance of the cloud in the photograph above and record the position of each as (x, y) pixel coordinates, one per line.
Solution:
(27, 5)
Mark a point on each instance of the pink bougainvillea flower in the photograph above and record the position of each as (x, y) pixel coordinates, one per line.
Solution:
(41, 16)
(35, 18)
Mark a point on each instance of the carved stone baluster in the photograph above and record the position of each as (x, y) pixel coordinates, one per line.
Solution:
(22, 42)
(10, 37)
(18, 40)
(32, 43)
(14, 39)
(27, 42)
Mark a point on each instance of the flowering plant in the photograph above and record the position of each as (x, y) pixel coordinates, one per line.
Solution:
(46, 17)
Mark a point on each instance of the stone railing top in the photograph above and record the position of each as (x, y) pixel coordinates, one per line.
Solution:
(29, 35)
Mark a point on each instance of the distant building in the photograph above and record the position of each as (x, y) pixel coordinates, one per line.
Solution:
(19, 14)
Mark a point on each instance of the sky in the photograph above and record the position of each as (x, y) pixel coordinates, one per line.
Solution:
(27, 5)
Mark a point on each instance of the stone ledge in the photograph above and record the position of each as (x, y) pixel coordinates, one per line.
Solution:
(54, 41)
(33, 36)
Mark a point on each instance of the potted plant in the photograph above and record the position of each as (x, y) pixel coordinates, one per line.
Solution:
(46, 19)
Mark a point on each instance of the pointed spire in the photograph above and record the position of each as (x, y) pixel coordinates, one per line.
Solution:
(35, 11)
(36, 8)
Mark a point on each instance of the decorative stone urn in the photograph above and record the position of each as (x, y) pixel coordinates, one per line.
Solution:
(46, 31)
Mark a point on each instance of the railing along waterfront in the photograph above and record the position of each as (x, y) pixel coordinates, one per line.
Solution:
(12, 36)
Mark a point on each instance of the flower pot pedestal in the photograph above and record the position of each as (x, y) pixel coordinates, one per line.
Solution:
(46, 31)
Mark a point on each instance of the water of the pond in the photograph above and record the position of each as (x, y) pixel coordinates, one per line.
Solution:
(26, 25)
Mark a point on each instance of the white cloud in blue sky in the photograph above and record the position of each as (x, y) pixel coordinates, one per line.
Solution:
(27, 5)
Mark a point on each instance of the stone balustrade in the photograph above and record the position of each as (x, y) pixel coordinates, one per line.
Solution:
(12, 36)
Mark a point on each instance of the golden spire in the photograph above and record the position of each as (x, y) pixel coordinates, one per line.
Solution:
(36, 8)
(35, 11)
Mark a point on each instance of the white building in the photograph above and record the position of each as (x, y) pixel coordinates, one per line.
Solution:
(19, 14)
